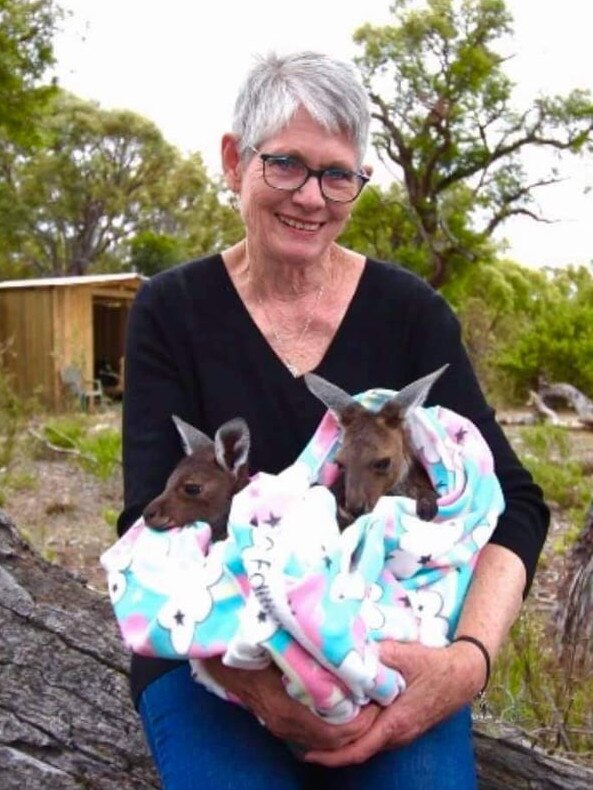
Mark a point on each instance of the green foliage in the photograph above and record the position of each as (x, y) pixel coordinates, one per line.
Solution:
(65, 431)
(26, 31)
(110, 517)
(382, 225)
(97, 450)
(151, 252)
(532, 690)
(101, 452)
(447, 122)
(104, 191)
(13, 411)
(545, 451)
(557, 342)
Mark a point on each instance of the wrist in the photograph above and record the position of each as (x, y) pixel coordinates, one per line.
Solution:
(478, 654)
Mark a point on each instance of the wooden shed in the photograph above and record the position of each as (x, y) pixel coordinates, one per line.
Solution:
(52, 324)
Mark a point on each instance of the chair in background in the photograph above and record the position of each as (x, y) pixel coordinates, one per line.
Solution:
(87, 392)
(111, 380)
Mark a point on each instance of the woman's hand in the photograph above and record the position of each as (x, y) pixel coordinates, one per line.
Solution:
(263, 693)
(439, 682)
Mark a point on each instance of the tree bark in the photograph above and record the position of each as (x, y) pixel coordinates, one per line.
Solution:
(508, 762)
(574, 612)
(66, 720)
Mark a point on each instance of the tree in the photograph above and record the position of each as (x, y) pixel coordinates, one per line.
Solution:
(103, 177)
(26, 31)
(444, 109)
(383, 225)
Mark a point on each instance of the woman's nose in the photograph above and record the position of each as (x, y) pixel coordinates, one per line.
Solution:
(310, 194)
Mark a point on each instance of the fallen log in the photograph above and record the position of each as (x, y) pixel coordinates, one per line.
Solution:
(577, 400)
(66, 722)
(506, 761)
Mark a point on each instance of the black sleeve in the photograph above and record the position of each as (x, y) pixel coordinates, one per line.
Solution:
(435, 337)
(158, 383)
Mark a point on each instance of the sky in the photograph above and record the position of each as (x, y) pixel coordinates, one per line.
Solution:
(180, 62)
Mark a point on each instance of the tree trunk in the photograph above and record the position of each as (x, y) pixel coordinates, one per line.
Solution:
(574, 613)
(66, 719)
(66, 722)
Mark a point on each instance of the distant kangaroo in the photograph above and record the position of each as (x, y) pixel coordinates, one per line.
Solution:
(204, 482)
(376, 456)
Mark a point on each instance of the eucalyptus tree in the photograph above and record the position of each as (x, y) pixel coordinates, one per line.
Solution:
(102, 178)
(26, 55)
(445, 118)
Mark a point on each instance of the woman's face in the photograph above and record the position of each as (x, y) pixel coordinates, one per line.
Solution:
(295, 226)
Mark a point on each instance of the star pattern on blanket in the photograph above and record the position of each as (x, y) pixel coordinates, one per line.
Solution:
(460, 435)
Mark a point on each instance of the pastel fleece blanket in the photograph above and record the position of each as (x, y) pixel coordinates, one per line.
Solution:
(287, 587)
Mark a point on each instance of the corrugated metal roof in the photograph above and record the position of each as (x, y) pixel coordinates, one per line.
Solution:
(44, 282)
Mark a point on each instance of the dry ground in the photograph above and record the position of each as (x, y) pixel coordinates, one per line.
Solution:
(64, 511)
(68, 514)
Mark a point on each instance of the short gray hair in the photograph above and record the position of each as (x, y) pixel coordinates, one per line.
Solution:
(275, 88)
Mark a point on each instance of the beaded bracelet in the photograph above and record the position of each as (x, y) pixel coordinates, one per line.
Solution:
(482, 648)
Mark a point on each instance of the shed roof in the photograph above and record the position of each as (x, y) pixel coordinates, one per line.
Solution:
(93, 279)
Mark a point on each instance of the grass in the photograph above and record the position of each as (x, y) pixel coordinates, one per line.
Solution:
(97, 448)
(531, 688)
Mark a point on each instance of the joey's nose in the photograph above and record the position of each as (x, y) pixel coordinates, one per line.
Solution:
(153, 517)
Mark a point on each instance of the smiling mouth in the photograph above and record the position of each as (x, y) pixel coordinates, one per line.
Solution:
(298, 224)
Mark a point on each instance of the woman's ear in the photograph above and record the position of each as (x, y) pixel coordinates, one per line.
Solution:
(231, 161)
(367, 170)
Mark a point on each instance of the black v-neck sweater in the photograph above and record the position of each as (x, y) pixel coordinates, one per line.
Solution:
(194, 350)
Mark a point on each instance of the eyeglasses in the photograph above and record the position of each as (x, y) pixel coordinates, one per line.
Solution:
(289, 173)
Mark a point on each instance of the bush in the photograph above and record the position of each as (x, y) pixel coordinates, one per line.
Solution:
(13, 411)
(546, 452)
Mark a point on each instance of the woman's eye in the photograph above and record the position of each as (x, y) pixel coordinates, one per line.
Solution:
(382, 464)
(284, 164)
(192, 489)
(337, 175)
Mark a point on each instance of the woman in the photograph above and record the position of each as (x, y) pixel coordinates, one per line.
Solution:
(231, 335)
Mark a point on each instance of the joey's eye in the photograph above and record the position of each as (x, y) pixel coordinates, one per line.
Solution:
(192, 489)
(340, 465)
(382, 464)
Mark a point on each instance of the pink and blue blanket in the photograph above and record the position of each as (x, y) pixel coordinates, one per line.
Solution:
(287, 587)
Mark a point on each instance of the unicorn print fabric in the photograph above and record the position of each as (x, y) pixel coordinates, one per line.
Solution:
(286, 586)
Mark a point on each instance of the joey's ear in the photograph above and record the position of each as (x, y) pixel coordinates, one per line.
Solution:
(231, 444)
(336, 399)
(231, 161)
(412, 396)
(192, 438)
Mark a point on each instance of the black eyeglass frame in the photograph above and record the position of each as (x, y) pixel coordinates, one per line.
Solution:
(318, 174)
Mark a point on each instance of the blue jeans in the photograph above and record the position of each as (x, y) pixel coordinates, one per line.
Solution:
(201, 742)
